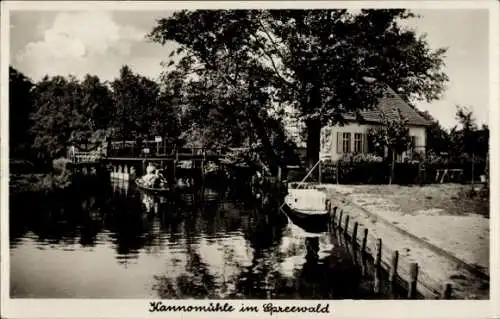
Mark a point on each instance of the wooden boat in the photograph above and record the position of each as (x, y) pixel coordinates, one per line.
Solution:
(151, 190)
(312, 221)
(306, 209)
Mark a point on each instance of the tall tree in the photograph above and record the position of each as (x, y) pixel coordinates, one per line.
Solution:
(96, 111)
(20, 107)
(315, 60)
(463, 135)
(56, 117)
(142, 108)
(394, 135)
(437, 138)
(467, 137)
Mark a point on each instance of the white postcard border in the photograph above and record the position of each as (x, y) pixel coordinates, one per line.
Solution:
(87, 308)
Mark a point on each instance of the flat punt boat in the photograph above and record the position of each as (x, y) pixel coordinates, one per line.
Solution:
(306, 209)
(151, 190)
(310, 221)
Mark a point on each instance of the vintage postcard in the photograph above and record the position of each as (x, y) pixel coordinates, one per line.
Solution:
(262, 158)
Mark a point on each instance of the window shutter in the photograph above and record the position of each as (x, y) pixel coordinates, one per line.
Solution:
(339, 143)
(365, 143)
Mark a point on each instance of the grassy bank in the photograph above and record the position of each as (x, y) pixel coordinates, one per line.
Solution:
(448, 199)
(24, 178)
(30, 183)
(446, 216)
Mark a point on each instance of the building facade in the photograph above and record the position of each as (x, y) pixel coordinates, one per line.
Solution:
(352, 137)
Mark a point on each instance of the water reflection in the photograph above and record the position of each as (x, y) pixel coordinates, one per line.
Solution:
(122, 243)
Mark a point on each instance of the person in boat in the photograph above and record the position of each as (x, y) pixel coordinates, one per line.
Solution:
(160, 180)
(150, 177)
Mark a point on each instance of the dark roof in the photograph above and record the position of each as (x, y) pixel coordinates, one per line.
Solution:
(389, 104)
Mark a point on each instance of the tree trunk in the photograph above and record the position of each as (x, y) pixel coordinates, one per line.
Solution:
(273, 160)
(393, 164)
(313, 142)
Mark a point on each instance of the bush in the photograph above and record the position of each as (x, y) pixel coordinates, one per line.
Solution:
(362, 169)
(60, 165)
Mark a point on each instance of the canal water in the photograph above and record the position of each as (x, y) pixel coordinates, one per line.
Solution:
(117, 242)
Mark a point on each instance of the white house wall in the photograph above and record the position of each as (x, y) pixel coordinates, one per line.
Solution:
(331, 147)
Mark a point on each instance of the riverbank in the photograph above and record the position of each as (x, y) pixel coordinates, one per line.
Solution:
(412, 220)
(30, 183)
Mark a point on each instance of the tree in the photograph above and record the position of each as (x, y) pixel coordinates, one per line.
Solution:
(394, 135)
(56, 117)
(96, 111)
(142, 108)
(97, 104)
(463, 135)
(315, 60)
(20, 107)
(219, 61)
(437, 138)
(469, 142)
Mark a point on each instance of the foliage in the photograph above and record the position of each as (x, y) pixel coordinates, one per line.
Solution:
(350, 158)
(393, 134)
(20, 107)
(466, 137)
(56, 117)
(60, 165)
(142, 109)
(437, 138)
(314, 60)
(58, 111)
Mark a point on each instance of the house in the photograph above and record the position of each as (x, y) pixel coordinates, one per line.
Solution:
(351, 138)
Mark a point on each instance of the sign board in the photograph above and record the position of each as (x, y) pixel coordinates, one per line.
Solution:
(157, 139)
(146, 151)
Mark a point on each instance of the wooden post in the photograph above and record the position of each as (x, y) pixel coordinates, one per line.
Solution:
(340, 220)
(376, 273)
(346, 224)
(394, 270)
(412, 283)
(319, 172)
(363, 253)
(337, 173)
(330, 219)
(334, 215)
(354, 236)
(447, 291)
(472, 168)
(363, 243)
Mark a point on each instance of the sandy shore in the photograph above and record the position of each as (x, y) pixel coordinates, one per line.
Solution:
(390, 211)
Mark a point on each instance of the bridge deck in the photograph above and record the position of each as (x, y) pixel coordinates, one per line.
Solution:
(182, 157)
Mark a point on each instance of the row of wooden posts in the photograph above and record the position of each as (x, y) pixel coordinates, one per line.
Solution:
(340, 225)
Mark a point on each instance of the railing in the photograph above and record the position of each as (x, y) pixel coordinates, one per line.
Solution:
(153, 149)
(85, 157)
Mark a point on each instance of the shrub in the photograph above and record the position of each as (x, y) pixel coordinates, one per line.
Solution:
(362, 168)
(60, 165)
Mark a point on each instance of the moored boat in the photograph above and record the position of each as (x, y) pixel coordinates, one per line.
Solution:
(306, 209)
(151, 190)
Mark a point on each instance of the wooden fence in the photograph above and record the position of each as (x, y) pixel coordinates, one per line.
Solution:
(390, 273)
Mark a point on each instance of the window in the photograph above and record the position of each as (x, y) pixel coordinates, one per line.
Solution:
(358, 143)
(346, 143)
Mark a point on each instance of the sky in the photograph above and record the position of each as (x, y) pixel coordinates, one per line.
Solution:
(100, 42)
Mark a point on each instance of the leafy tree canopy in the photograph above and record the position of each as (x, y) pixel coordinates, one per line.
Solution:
(322, 62)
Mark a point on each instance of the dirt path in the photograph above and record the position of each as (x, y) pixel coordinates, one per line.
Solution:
(458, 239)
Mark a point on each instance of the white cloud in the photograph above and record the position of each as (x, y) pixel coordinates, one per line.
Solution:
(77, 41)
